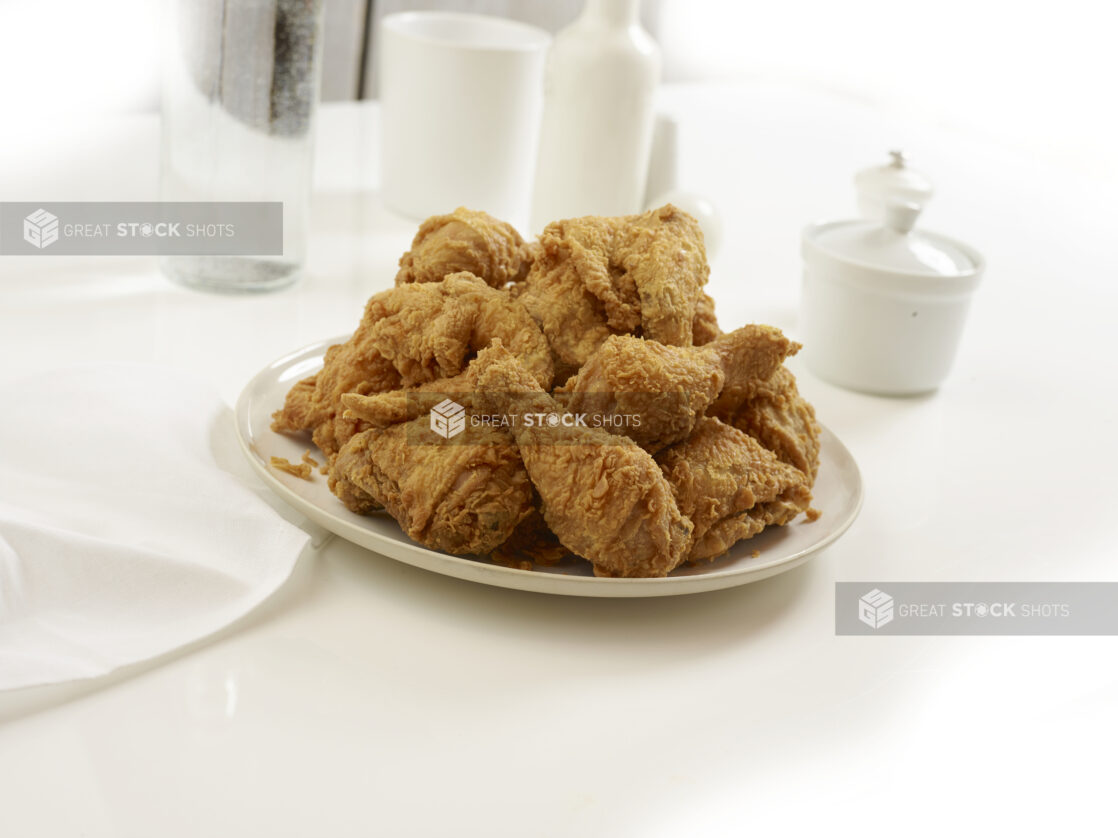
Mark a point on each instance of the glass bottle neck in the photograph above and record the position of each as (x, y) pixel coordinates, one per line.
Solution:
(613, 12)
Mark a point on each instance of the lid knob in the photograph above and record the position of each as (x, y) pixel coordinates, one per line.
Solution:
(894, 180)
(900, 216)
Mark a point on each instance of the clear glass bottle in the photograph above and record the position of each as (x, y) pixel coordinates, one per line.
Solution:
(240, 89)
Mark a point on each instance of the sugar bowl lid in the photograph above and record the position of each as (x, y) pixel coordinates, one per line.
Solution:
(893, 245)
(894, 181)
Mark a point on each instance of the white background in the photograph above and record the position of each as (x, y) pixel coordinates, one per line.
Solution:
(371, 697)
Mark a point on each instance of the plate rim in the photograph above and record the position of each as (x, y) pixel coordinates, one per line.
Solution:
(468, 569)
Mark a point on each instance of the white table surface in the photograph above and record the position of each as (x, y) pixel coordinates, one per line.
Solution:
(369, 697)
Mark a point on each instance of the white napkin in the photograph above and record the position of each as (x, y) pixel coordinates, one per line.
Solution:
(124, 532)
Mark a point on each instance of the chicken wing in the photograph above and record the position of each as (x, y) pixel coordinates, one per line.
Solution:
(462, 496)
(602, 495)
(730, 487)
(465, 240)
(594, 277)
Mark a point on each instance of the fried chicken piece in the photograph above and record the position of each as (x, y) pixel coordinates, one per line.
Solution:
(311, 405)
(602, 495)
(462, 496)
(773, 412)
(730, 487)
(383, 409)
(658, 392)
(649, 392)
(750, 355)
(638, 274)
(430, 330)
(343, 486)
(410, 335)
(465, 240)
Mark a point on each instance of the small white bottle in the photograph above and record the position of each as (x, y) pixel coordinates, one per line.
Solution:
(596, 135)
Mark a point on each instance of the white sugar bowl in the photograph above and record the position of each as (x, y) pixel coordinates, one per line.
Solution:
(883, 305)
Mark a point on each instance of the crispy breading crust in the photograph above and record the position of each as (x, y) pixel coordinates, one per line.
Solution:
(639, 274)
(730, 486)
(465, 240)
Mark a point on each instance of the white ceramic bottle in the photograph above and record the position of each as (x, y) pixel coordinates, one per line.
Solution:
(598, 115)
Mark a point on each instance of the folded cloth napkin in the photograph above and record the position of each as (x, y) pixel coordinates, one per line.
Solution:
(124, 531)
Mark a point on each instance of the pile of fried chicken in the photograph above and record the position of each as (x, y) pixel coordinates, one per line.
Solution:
(599, 317)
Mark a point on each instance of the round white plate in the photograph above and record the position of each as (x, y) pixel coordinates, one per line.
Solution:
(838, 493)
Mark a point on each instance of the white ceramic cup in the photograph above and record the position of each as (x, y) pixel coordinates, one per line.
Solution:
(881, 330)
(461, 99)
